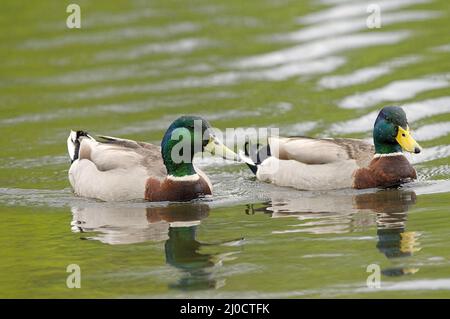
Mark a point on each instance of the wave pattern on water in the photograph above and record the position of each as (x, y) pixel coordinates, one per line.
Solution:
(415, 111)
(357, 8)
(395, 91)
(116, 35)
(152, 65)
(322, 48)
(339, 27)
(367, 74)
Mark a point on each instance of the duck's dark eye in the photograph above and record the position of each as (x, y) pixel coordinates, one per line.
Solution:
(403, 134)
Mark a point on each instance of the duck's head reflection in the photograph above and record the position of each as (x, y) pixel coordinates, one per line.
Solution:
(343, 213)
(176, 224)
(393, 240)
(391, 209)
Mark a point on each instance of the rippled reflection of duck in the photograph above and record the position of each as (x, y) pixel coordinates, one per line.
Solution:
(120, 224)
(336, 213)
(183, 252)
(336, 163)
(176, 224)
(393, 239)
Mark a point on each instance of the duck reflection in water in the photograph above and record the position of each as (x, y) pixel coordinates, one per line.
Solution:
(393, 240)
(176, 224)
(339, 213)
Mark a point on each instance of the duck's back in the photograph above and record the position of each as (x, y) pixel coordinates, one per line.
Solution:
(113, 169)
(321, 150)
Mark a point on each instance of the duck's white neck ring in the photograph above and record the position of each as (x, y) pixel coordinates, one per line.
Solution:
(388, 155)
(186, 178)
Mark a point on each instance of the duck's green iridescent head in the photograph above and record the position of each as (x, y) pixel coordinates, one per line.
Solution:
(391, 132)
(185, 137)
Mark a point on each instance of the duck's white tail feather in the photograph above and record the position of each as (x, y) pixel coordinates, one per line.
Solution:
(71, 145)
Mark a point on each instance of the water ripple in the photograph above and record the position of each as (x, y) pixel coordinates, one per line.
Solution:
(396, 91)
(113, 36)
(181, 46)
(367, 74)
(344, 11)
(415, 111)
(321, 48)
(339, 27)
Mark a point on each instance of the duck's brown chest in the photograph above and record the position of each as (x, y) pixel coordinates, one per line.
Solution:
(387, 171)
(174, 190)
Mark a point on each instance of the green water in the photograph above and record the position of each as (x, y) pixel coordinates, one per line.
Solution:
(307, 67)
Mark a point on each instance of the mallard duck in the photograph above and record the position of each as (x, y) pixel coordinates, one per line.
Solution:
(115, 169)
(335, 163)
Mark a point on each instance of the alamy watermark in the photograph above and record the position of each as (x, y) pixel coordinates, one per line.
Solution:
(74, 279)
(73, 21)
(374, 279)
(220, 143)
(373, 21)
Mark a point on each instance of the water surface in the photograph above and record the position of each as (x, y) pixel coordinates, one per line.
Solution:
(309, 67)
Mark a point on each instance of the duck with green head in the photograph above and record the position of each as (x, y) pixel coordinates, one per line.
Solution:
(333, 163)
(114, 169)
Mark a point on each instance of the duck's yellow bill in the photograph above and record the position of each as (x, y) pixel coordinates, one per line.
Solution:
(216, 147)
(406, 141)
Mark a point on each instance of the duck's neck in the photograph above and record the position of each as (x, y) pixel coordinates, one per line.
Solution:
(181, 169)
(383, 137)
(181, 166)
(387, 149)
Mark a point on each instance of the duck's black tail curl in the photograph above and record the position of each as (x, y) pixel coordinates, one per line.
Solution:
(256, 155)
(73, 143)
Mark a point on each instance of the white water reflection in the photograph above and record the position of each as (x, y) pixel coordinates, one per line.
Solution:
(102, 74)
(432, 131)
(120, 18)
(431, 154)
(367, 74)
(297, 129)
(414, 111)
(321, 48)
(442, 48)
(396, 91)
(111, 36)
(118, 108)
(106, 18)
(432, 187)
(277, 73)
(411, 285)
(348, 10)
(163, 122)
(181, 46)
(339, 27)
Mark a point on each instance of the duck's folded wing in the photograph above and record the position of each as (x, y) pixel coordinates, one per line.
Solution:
(320, 151)
(108, 153)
